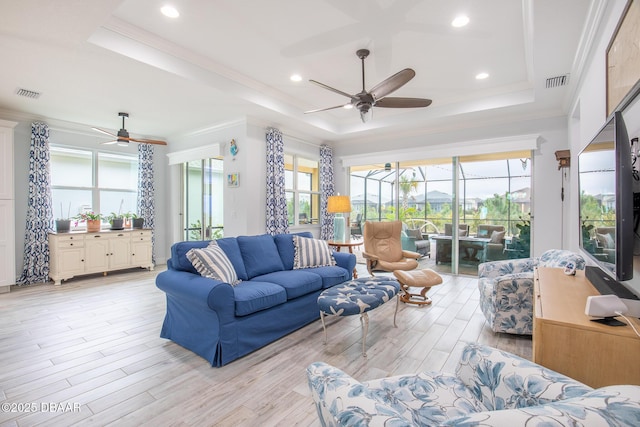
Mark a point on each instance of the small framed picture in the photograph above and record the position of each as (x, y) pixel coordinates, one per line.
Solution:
(233, 180)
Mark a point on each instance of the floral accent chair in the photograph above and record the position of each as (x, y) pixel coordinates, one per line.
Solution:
(506, 289)
(490, 388)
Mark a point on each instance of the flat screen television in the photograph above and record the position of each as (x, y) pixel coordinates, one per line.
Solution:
(606, 200)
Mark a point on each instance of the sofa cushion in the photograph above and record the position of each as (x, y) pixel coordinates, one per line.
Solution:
(230, 247)
(296, 283)
(311, 253)
(287, 250)
(497, 236)
(260, 255)
(213, 263)
(501, 380)
(427, 398)
(252, 296)
(617, 405)
(331, 275)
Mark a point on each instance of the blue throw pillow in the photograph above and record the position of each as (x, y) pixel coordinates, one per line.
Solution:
(260, 255)
(230, 247)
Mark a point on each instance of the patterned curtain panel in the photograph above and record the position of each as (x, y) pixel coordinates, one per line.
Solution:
(327, 189)
(277, 221)
(39, 209)
(146, 204)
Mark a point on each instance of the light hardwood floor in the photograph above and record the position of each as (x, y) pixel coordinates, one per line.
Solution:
(92, 347)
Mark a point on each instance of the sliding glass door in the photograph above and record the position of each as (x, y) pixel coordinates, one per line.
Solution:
(203, 213)
(466, 210)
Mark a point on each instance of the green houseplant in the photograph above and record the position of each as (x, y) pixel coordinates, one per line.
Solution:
(93, 220)
(116, 221)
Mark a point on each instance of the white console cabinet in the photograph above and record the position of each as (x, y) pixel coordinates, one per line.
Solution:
(77, 253)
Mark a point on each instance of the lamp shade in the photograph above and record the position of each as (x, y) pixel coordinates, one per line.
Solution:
(338, 204)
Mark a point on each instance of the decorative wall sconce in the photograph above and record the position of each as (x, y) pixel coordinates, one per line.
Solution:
(564, 158)
(387, 167)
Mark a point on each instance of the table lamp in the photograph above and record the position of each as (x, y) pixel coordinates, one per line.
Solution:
(338, 205)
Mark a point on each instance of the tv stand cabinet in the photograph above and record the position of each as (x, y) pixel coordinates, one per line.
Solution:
(567, 341)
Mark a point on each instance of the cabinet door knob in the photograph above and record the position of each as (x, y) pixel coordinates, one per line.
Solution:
(71, 244)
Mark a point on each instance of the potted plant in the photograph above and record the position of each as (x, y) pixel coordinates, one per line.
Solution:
(116, 221)
(137, 222)
(63, 225)
(523, 242)
(128, 219)
(93, 220)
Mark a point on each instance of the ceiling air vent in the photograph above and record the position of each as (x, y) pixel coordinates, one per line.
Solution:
(28, 93)
(557, 81)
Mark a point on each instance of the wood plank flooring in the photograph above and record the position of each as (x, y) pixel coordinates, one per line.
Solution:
(89, 353)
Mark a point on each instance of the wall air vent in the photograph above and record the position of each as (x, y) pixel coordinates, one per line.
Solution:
(28, 93)
(557, 81)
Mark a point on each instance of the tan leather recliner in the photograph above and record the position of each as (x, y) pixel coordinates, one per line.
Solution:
(383, 247)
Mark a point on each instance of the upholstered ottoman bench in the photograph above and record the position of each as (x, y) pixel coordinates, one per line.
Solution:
(425, 279)
(358, 296)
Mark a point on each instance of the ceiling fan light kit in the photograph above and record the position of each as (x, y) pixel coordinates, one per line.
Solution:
(377, 97)
(123, 138)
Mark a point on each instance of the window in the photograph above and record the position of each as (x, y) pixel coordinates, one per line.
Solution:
(302, 186)
(88, 180)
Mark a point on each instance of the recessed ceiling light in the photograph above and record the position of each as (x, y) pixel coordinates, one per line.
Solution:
(296, 78)
(481, 76)
(169, 11)
(460, 21)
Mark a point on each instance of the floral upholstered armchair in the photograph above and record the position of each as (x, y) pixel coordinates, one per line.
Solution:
(506, 289)
(490, 388)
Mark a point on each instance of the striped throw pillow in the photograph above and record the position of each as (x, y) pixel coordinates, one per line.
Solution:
(213, 263)
(311, 253)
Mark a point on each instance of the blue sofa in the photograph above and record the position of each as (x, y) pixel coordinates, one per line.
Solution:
(221, 322)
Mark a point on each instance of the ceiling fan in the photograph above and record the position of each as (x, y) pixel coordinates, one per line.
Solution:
(377, 97)
(123, 138)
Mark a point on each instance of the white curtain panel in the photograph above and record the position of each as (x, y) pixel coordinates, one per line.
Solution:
(39, 209)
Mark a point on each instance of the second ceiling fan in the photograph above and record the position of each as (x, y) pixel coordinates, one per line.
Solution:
(123, 138)
(377, 97)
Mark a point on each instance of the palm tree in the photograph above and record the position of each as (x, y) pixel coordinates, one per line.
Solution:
(406, 188)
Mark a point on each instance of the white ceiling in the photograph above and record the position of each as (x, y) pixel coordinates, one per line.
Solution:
(227, 59)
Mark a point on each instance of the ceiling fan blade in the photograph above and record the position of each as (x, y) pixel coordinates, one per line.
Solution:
(397, 102)
(392, 83)
(339, 92)
(147, 141)
(325, 109)
(104, 131)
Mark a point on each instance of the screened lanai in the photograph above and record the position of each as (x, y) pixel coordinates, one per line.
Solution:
(492, 192)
